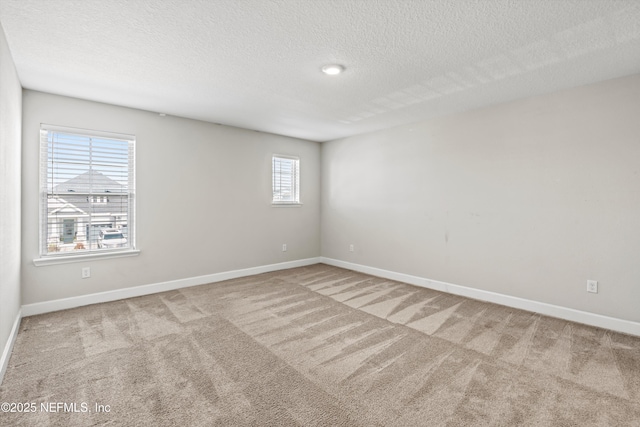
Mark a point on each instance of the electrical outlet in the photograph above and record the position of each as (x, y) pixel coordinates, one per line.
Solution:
(592, 286)
(284, 247)
(351, 248)
(86, 272)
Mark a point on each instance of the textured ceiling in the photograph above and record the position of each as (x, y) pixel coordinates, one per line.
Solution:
(256, 63)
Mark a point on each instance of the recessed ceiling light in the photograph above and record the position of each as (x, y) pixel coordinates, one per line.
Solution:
(332, 69)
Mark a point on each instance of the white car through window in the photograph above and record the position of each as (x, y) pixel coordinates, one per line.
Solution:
(111, 238)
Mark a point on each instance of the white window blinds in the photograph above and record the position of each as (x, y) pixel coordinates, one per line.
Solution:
(87, 184)
(286, 180)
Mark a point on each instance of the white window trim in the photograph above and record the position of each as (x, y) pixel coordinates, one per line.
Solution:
(71, 257)
(67, 259)
(287, 204)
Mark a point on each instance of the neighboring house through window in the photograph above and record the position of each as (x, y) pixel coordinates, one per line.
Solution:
(286, 180)
(87, 184)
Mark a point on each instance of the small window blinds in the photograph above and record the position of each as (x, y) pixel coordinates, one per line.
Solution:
(286, 180)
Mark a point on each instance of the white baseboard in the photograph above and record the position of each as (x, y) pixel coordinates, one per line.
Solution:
(6, 353)
(592, 319)
(82, 300)
(612, 323)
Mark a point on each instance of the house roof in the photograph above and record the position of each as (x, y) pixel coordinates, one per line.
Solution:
(61, 207)
(117, 204)
(93, 182)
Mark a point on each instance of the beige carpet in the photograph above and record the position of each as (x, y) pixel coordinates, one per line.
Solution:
(315, 346)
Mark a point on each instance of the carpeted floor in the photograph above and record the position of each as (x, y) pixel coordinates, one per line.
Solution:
(314, 346)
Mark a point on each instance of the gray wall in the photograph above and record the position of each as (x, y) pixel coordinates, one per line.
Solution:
(10, 151)
(203, 199)
(527, 199)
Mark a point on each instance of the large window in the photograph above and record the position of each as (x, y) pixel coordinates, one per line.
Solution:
(286, 180)
(87, 185)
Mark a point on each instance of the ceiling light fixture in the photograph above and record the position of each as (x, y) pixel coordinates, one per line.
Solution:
(332, 69)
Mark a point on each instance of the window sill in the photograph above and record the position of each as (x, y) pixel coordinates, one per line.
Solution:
(286, 205)
(52, 260)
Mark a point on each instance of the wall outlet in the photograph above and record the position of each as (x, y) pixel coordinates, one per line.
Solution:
(351, 248)
(592, 286)
(86, 272)
(284, 247)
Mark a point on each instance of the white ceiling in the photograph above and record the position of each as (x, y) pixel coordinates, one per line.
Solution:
(256, 63)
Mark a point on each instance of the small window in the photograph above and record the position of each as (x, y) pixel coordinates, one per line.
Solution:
(98, 199)
(77, 169)
(286, 180)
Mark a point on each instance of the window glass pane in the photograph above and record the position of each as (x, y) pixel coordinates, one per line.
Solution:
(286, 180)
(87, 186)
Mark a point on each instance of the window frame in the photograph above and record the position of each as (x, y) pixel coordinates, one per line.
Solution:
(297, 202)
(46, 191)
